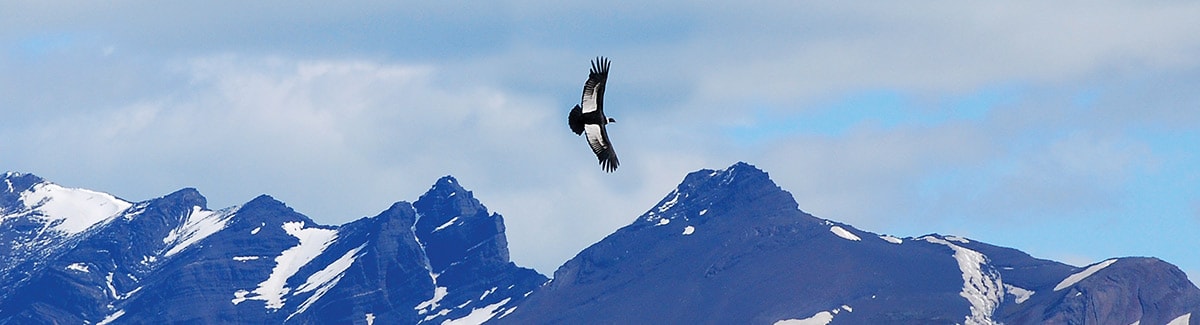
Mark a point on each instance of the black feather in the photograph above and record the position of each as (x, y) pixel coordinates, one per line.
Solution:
(575, 120)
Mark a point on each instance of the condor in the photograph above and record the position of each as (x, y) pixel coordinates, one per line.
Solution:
(588, 116)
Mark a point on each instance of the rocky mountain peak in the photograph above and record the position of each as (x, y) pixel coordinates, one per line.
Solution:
(455, 228)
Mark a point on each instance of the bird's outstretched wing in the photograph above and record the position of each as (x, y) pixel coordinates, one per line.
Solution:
(593, 90)
(597, 137)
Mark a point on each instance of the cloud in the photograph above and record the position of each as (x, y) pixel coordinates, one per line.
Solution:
(341, 139)
(784, 53)
(1067, 177)
(874, 175)
(1017, 161)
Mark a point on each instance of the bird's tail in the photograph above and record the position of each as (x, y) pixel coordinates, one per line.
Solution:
(575, 120)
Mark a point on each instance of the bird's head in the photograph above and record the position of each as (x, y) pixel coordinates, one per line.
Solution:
(612, 120)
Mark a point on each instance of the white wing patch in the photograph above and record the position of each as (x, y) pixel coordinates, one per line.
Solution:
(589, 102)
(594, 136)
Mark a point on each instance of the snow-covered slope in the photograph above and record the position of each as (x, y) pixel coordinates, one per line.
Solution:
(41, 212)
(39, 218)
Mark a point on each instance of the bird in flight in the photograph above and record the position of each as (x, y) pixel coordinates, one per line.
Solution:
(588, 116)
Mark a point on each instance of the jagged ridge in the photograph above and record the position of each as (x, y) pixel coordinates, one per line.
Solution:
(172, 259)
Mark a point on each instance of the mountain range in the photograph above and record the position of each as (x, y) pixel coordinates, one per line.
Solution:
(725, 247)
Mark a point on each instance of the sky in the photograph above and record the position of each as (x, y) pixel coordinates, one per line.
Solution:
(1067, 129)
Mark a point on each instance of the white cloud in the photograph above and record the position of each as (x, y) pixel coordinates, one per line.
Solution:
(826, 48)
(872, 173)
(1077, 173)
(340, 139)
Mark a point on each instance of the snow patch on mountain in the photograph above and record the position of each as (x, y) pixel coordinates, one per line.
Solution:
(820, 318)
(478, 315)
(656, 214)
(1075, 278)
(982, 286)
(957, 239)
(313, 241)
(440, 313)
(842, 232)
(447, 224)
(112, 290)
(197, 225)
(508, 311)
(432, 303)
(1021, 294)
(892, 239)
(488, 292)
(67, 210)
(325, 279)
(134, 211)
(1184, 319)
(670, 203)
(80, 267)
(112, 317)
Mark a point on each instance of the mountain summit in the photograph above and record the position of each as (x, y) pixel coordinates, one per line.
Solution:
(731, 247)
(725, 246)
